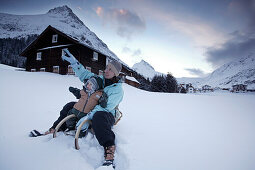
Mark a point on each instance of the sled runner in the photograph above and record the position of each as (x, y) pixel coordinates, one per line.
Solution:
(118, 115)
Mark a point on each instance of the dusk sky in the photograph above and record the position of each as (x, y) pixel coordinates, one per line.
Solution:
(184, 37)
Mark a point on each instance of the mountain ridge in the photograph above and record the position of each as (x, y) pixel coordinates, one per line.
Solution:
(239, 71)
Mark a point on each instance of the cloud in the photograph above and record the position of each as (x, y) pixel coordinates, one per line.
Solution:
(199, 31)
(126, 50)
(125, 22)
(242, 42)
(134, 55)
(196, 72)
(137, 53)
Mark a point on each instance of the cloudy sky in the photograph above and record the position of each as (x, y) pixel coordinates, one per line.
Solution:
(186, 38)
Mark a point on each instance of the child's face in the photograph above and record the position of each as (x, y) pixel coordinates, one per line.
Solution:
(89, 85)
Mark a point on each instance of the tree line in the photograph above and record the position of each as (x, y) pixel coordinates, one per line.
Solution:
(159, 83)
(10, 49)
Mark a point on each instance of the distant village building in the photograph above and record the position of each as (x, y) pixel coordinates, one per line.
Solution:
(190, 88)
(186, 88)
(239, 88)
(181, 88)
(207, 88)
(217, 89)
(44, 54)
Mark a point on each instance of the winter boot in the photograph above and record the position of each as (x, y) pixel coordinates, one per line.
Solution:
(109, 156)
(70, 132)
(83, 133)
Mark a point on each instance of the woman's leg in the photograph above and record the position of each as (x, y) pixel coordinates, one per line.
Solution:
(102, 123)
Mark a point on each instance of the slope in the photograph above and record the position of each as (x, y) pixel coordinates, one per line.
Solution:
(158, 130)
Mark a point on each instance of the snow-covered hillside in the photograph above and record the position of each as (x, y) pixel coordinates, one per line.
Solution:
(62, 18)
(145, 69)
(241, 71)
(212, 132)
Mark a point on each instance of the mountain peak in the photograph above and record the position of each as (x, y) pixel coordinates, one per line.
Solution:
(145, 63)
(65, 11)
(145, 69)
(60, 9)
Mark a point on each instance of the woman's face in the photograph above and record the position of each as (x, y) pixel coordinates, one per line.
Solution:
(108, 73)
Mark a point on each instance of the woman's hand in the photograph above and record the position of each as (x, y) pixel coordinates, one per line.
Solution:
(85, 126)
(68, 57)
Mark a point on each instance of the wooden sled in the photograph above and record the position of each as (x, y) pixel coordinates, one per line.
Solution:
(118, 116)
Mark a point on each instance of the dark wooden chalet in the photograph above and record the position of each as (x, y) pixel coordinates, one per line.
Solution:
(44, 54)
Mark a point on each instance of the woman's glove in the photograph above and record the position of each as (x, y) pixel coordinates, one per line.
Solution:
(85, 126)
(69, 57)
(76, 92)
(103, 100)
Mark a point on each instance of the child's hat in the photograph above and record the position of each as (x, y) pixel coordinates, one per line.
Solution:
(97, 82)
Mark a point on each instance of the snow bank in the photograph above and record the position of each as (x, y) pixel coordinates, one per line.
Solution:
(213, 131)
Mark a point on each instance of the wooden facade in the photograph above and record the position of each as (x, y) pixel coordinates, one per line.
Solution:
(44, 54)
(239, 88)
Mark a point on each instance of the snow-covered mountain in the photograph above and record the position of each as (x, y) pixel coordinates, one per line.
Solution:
(240, 71)
(62, 18)
(145, 69)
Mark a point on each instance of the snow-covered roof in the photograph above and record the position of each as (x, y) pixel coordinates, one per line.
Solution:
(131, 78)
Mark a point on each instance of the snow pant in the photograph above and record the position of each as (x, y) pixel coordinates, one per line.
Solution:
(102, 123)
(70, 123)
(63, 114)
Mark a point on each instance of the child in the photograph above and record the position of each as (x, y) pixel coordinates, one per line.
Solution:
(89, 97)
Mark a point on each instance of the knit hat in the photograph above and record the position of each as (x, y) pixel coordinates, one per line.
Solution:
(115, 66)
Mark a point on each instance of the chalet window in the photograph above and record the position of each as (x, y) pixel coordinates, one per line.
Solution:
(42, 69)
(55, 38)
(39, 56)
(107, 61)
(63, 53)
(33, 70)
(70, 70)
(95, 56)
(88, 68)
(100, 72)
(55, 69)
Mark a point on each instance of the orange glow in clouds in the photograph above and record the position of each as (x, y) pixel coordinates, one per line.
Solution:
(99, 11)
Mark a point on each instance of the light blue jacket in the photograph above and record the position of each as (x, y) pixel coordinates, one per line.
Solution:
(114, 92)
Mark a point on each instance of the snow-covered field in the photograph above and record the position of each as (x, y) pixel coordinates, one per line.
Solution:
(213, 131)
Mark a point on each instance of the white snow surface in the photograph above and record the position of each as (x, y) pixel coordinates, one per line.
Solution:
(61, 18)
(145, 69)
(210, 131)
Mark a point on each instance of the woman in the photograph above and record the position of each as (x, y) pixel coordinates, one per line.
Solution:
(102, 117)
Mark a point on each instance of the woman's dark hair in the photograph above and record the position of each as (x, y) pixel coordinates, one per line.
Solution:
(111, 81)
(115, 79)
